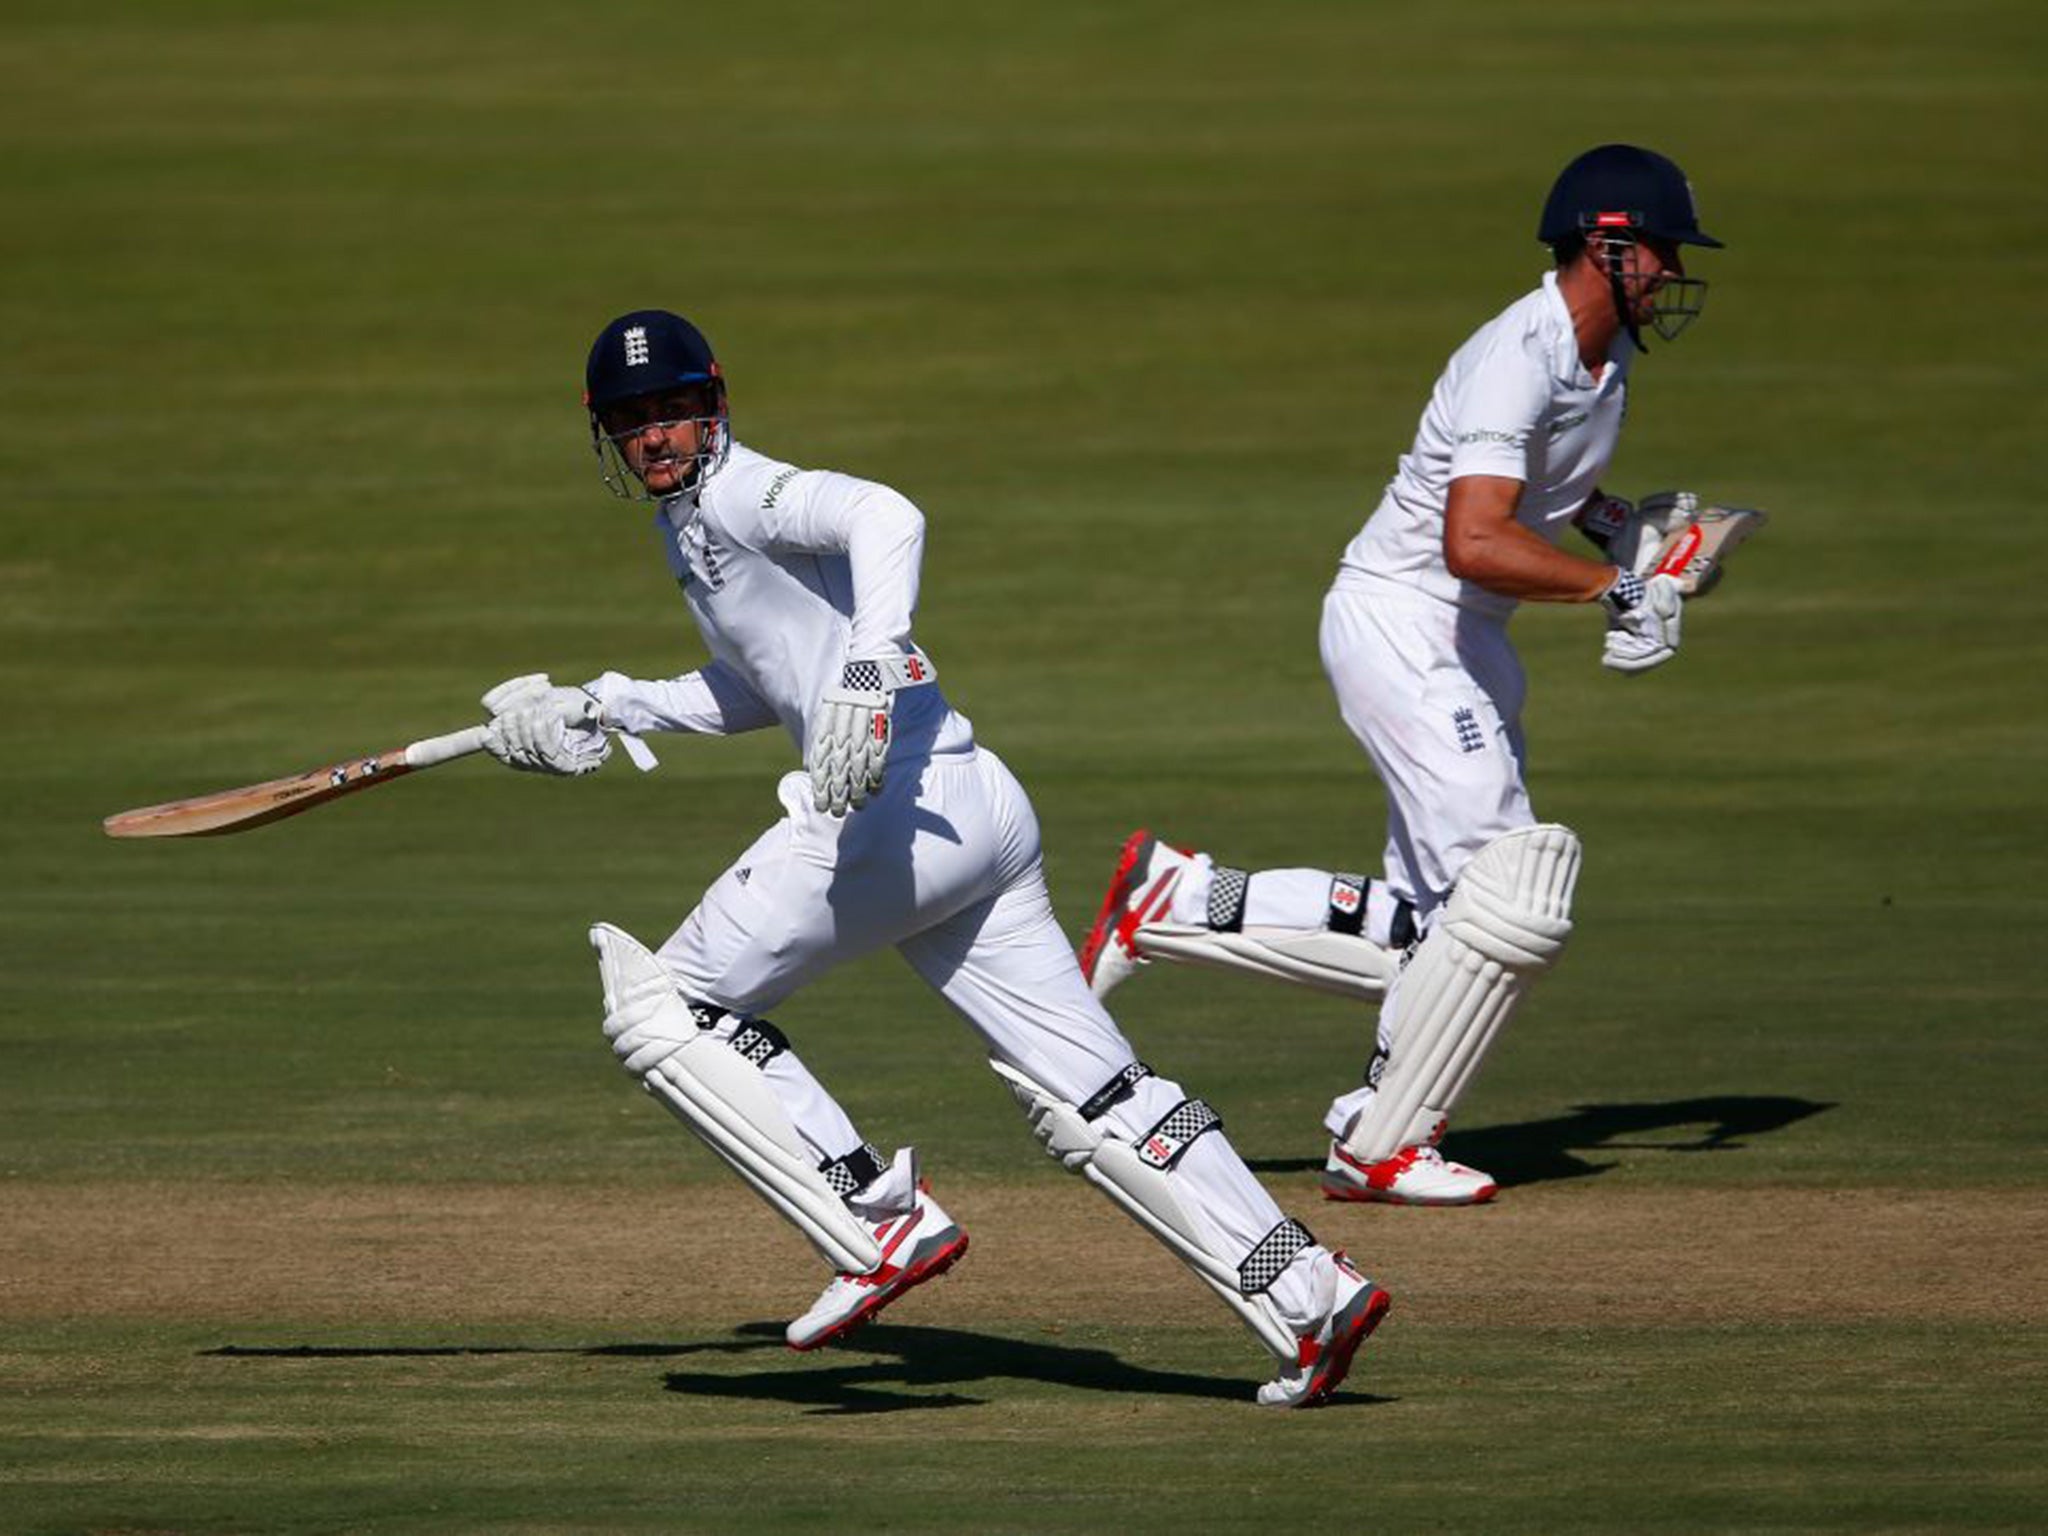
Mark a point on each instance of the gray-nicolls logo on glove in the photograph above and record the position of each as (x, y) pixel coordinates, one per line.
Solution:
(851, 734)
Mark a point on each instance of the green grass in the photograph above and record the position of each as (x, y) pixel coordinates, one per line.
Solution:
(1138, 302)
(1496, 1429)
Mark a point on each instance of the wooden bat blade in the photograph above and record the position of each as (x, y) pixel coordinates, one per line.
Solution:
(1696, 552)
(257, 805)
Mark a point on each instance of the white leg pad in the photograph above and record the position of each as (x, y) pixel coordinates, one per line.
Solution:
(1505, 923)
(1341, 963)
(1147, 1196)
(722, 1097)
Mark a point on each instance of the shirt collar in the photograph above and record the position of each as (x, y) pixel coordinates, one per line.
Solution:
(1565, 343)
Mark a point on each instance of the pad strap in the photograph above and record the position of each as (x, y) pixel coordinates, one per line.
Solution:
(1166, 1143)
(1115, 1091)
(1402, 931)
(1227, 888)
(1347, 904)
(758, 1041)
(855, 1171)
(1272, 1254)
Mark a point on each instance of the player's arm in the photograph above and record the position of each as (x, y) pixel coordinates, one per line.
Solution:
(882, 536)
(1485, 545)
(538, 727)
(712, 701)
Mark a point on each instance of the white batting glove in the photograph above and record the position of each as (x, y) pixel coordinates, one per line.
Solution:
(539, 728)
(1643, 619)
(851, 732)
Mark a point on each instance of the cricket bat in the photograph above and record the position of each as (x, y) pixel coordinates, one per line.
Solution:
(1695, 551)
(256, 805)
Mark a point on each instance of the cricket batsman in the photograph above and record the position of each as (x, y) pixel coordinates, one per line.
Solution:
(1474, 902)
(900, 829)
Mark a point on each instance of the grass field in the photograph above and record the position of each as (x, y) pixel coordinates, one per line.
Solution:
(322, 1206)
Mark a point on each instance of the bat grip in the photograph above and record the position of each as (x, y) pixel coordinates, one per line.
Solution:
(445, 749)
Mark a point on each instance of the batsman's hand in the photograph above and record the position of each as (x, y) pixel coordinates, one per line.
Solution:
(539, 728)
(850, 739)
(1643, 621)
(852, 729)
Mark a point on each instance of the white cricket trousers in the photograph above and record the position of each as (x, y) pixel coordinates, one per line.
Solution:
(1434, 695)
(944, 864)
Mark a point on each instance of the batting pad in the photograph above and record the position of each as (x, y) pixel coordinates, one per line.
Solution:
(1339, 963)
(724, 1099)
(1146, 1195)
(1505, 924)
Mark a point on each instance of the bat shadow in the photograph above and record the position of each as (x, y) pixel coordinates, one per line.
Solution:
(1544, 1151)
(886, 1369)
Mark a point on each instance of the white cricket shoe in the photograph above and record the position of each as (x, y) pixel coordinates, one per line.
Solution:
(1357, 1308)
(919, 1245)
(1140, 892)
(1413, 1176)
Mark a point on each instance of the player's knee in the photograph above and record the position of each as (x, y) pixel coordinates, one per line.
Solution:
(1151, 1113)
(1513, 900)
(645, 1045)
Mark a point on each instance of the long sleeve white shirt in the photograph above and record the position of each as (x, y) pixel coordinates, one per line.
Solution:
(789, 573)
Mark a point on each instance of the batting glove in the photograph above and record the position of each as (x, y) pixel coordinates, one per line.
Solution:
(851, 732)
(1643, 619)
(539, 728)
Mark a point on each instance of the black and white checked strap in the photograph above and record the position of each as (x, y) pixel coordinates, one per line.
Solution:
(1163, 1146)
(856, 1170)
(1227, 889)
(1271, 1254)
(886, 674)
(1624, 594)
(758, 1041)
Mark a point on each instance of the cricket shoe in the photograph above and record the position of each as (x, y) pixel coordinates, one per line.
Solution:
(1356, 1309)
(1140, 892)
(1413, 1176)
(919, 1245)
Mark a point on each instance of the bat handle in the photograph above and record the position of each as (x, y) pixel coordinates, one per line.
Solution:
(445, 749)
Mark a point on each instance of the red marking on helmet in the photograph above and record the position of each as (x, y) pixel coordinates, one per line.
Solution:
(1612, 220)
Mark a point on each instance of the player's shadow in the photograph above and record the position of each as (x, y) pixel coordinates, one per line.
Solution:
(923, 1358)
(1540, 1151)
(846, 1379)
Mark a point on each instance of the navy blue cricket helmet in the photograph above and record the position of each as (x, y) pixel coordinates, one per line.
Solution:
(1622, 186)
(652, 352)
(1608, 199)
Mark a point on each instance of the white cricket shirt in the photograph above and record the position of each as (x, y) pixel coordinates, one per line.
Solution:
(1513, 401)
(789, 573)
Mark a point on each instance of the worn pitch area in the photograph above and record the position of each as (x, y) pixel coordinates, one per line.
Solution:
(1044, 1254)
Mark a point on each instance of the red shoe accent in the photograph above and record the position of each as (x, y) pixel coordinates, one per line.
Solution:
(886, 1284)
(1119, 891)
(1336, 1362)
(1379, 1177)
(1150, 907)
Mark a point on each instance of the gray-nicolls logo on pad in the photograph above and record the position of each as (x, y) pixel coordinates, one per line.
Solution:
(636, 345)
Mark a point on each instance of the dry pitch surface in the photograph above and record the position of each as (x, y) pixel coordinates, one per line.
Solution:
(706, 1260)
